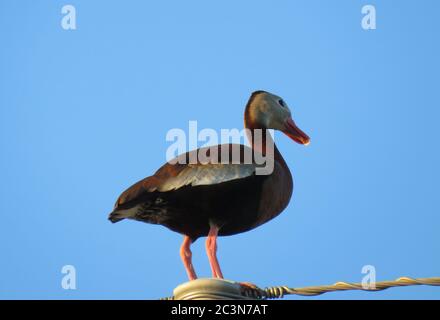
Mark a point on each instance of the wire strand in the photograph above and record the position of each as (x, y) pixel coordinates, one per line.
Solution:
(278, 292)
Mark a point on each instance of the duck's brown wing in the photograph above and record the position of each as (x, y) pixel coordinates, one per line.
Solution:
(175, 176)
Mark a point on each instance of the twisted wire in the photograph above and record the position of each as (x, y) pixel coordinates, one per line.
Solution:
(279, 292)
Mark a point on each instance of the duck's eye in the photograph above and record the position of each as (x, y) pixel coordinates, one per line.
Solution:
(281, 102)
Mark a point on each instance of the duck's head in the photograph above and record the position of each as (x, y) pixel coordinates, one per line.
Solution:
(269, 111)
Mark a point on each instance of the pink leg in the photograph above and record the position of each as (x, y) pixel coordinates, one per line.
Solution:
(211, 251)
(185, 254)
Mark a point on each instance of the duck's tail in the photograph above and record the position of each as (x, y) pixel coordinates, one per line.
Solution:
(120, 214)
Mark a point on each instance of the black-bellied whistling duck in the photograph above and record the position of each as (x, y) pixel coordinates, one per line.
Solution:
(211, 199)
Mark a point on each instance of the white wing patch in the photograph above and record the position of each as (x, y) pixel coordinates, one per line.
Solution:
(209, 174)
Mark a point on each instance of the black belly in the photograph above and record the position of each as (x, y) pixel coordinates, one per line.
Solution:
(232, 205)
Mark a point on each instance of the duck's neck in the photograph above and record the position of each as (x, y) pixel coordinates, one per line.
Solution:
(261, 141)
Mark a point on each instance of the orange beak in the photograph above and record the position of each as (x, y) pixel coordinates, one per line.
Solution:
(295, 133)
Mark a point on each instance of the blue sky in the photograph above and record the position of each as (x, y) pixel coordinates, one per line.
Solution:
(84, 114)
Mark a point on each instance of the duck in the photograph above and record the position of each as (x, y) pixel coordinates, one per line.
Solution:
(219, 198)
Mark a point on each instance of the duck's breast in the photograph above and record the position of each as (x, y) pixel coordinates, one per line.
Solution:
(276, 193)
